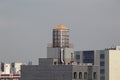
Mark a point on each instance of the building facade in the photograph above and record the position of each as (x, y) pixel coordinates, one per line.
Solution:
(5, 68)
(47, 70)
(107, 60)
(13, 68)
(60, 36)
(16, 68)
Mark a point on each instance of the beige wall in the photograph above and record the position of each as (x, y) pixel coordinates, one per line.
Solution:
(114, 64)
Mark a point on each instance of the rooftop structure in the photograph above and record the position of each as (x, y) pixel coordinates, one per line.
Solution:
(61, 27)
(60, 37)
(61, 49)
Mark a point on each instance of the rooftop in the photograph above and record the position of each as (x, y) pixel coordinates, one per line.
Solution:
(61, 27)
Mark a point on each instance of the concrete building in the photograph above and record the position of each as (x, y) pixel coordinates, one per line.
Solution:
(60, 63)
(107, 60)
(47, 70)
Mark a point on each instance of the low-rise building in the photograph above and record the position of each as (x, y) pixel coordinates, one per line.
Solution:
(5, 68)
(49, 70)
(16, 68)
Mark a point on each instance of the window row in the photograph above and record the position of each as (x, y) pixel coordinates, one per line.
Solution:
(83, 75)
(59, 32)
(61, 40)
(58, 38)
(61, 35)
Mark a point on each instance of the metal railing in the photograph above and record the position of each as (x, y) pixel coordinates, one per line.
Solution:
(10, 76)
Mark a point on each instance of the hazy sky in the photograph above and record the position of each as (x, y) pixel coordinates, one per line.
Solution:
(26, 26)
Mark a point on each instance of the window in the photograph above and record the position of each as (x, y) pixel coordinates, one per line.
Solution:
(102, 63)
(94, 75)
(88, 57)
(55, 63)
(102, 56)
(72, 56)
(80, 75)
(85, 75)
(77, 56)
(88, 61)
(75, 75)
(102, 71)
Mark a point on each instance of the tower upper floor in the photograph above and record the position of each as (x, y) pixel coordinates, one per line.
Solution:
(60, 37)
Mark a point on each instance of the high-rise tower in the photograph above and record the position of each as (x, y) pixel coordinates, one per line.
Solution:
(61, 48)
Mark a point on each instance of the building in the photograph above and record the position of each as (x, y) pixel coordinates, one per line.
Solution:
(107, 60)
(60, 63)
(10, 71)
(16, 68)
(47, 70)
(5, 68)
(13, 68)
(61, 49)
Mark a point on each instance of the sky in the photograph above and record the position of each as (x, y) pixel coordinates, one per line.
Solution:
(26, 26)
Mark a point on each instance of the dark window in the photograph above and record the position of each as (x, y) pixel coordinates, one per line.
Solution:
(75, 75)
(77, 56)
(85, 75)
(80, 75)
(2, 67)
(88, 57)
(102, 56)
(55, 63)
(72, 57)
(102, 63)
(88, 60)
(12, 65)
(94, 75)
(102, 71)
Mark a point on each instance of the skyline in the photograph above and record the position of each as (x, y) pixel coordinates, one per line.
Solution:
(26, 26)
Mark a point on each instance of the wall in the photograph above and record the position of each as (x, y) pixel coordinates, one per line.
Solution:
(114, 64)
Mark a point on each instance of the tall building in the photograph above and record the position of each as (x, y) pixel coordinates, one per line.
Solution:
(107, 60)
(60, 63)
(61, 48)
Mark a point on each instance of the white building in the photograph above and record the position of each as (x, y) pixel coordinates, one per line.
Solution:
(13, 68)
(5, 68)
(16, 68)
